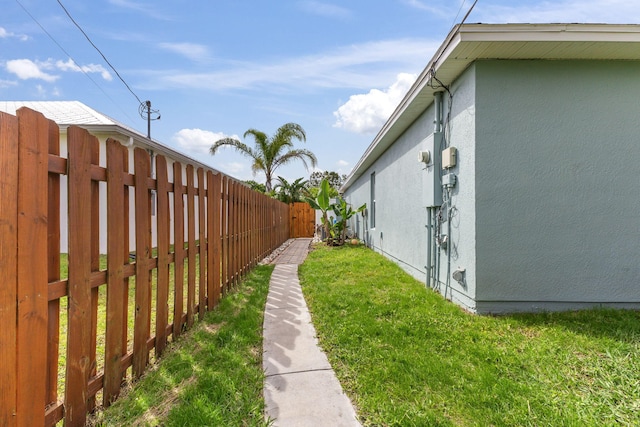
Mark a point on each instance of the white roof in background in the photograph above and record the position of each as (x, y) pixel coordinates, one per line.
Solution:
(68, 113)
(61, 112)
(467, 43)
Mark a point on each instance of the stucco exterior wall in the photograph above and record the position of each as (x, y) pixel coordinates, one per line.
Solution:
(399, 232)
(461, 253)
(401, 214)
(557, 179)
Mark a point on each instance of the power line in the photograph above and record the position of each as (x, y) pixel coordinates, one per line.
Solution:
(99, 51)
(71, 58)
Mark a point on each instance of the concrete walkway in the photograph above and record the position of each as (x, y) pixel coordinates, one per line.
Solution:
(300, 388)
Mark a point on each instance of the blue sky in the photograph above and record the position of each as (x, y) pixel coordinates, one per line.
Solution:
(218, 68)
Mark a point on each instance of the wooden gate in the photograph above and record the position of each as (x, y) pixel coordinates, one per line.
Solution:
(302, 220)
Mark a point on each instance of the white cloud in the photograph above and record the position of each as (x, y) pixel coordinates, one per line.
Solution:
(70, 65)
(7, 83)
(361, 66)
(198, 141)
(366, 113)
(195, 52)
(325, 9)
(342, 163)
(27, 69)
(4, 34)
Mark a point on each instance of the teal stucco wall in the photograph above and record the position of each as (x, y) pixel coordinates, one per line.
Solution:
(557, 184)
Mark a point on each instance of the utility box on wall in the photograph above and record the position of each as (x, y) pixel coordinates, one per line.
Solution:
(431, 185)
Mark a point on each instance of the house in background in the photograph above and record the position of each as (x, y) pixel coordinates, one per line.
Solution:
(508, 178)
(68, 113)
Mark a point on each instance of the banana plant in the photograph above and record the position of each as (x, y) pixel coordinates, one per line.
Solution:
(322, 202)
(344, 212)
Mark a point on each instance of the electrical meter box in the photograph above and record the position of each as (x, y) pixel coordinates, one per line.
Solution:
(431, 184)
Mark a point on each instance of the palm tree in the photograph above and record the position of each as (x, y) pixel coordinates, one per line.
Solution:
(271, 153)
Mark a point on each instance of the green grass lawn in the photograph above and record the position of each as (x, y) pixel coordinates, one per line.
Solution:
(212, 375)
(406, 357)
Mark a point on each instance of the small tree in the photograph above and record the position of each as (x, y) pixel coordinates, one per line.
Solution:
(256, 186)
(335, 180)
(290, 192)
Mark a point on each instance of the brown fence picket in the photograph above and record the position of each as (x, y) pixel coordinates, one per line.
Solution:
(80, 306)
(233, 222)
(163, 228)
(202, 246)
(219, 232)
(142, 323)
(231, 234)
(115, 345)
(245, 231)
(212, 235)
(178, 249)
(8, 272)
(94, 247)
(53, 271)
(224, 225)
(191, 245)
(32, 300)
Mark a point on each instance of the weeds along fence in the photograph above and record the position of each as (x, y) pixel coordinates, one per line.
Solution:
(68, 344)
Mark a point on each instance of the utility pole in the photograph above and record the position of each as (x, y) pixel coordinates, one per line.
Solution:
(148, 113)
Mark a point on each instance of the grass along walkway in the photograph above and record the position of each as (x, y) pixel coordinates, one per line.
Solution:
(212, 376)
(406, 357)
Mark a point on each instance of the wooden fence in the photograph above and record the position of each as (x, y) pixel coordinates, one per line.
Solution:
(159, 291)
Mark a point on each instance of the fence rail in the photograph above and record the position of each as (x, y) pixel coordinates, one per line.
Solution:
(229, 228)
